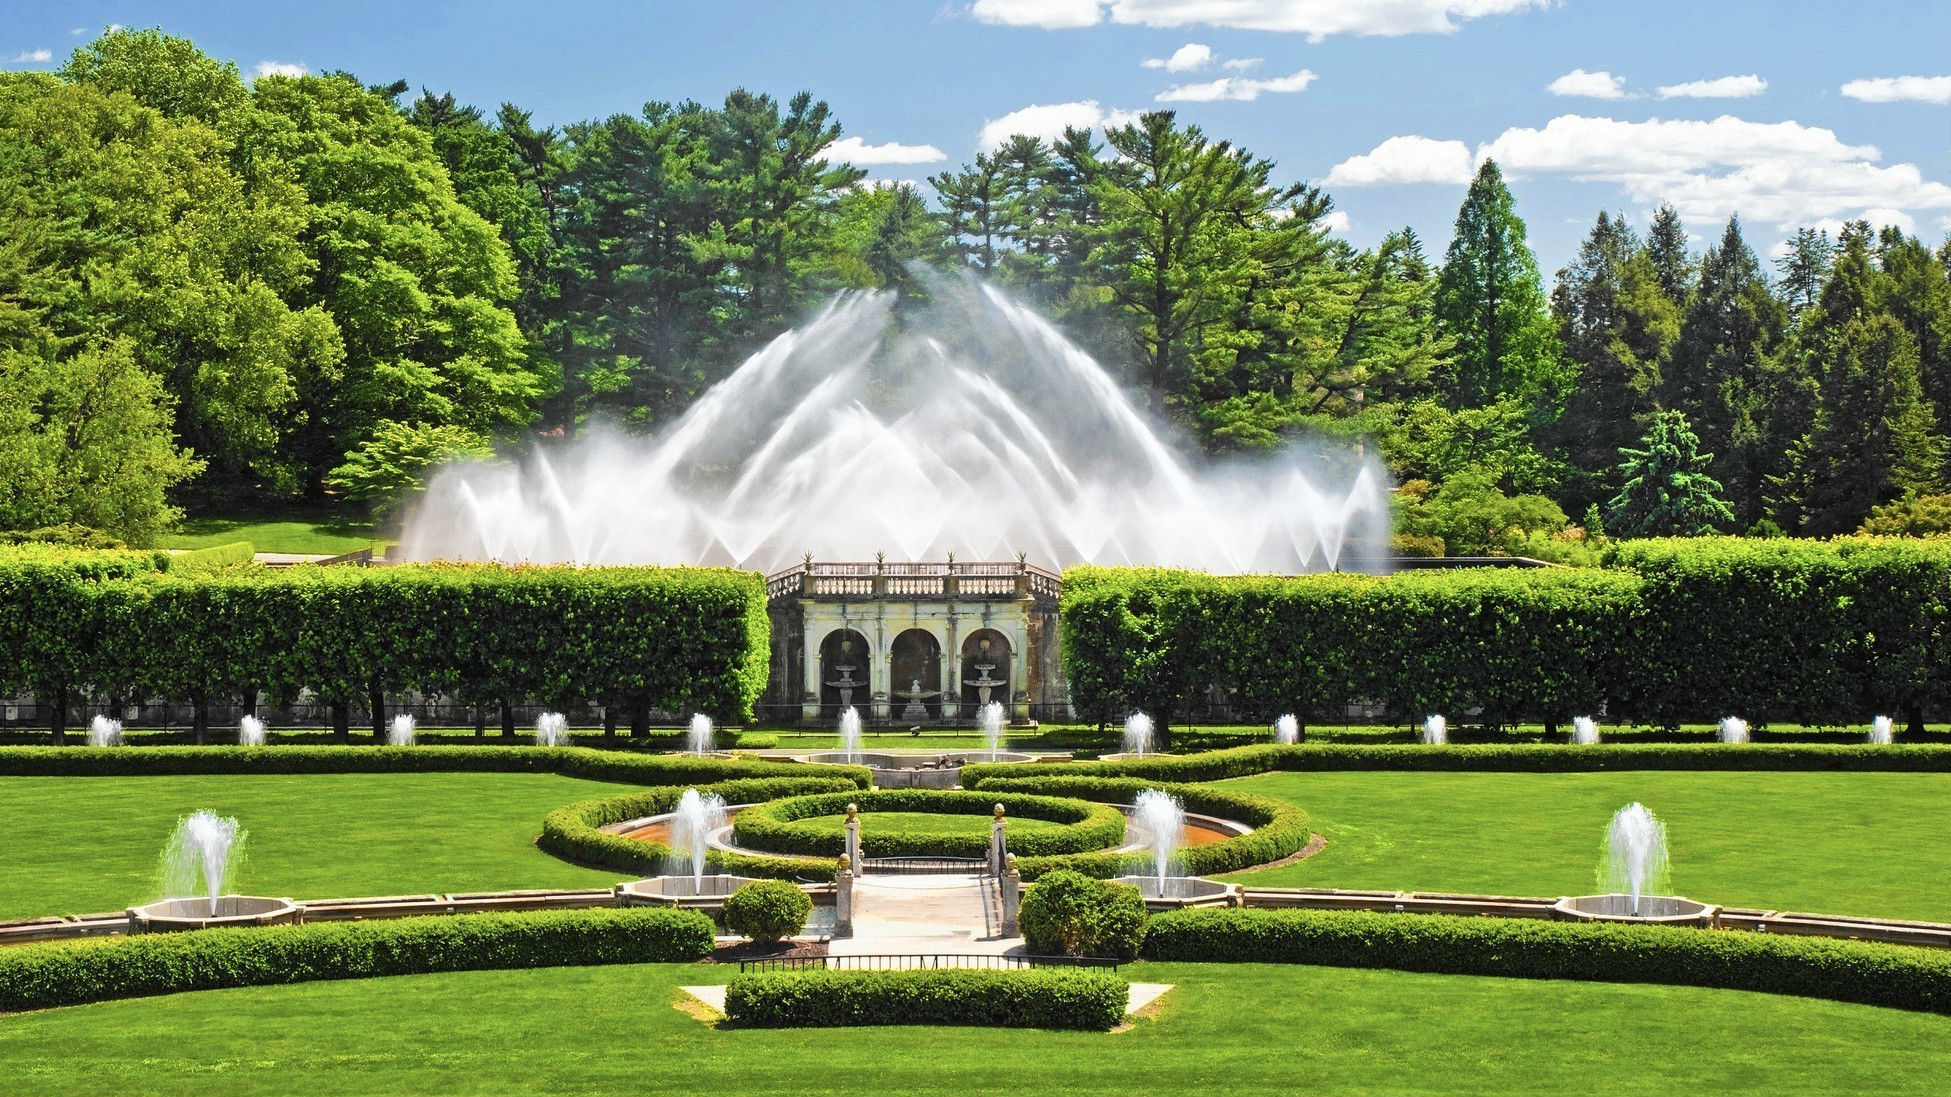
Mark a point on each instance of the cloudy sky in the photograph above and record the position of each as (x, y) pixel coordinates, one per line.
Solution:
(1788, 112)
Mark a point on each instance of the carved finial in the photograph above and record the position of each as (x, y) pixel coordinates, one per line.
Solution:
(999, 811)
(951, 557)
(853, 810)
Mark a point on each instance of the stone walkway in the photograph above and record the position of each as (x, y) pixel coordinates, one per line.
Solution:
(934, 913)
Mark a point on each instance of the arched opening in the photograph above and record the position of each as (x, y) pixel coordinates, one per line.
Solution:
(985, 669)
(844, 677)
(915, 666)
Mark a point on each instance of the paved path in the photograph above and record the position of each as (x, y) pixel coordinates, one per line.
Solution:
(934, 913)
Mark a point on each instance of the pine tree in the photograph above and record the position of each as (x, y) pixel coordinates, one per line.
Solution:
(1666, 245)
(1917, 291)
(1491, 300)
(1607, 401)
(1666, 490)
(1804, 268)
(975, 208)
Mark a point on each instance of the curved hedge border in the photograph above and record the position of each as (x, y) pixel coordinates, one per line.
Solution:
(1013, 999)
(1846, 971)
(1218, 765)
(773, 826)
(1279, 829)
(41, 976)
(572, 832)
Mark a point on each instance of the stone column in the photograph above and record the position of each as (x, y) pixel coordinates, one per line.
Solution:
(843, 900)
(853, 837)
(880, 671)
(814, 682)
(998, 842)
(951, 666)
(1012, 889)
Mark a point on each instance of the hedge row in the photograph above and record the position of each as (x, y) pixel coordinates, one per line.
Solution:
(777, 827)
(1848, 971)
(1218, 765)
(1039, 998)
(634, 639)
(1279, 829)
(45, 975)
(573, 833)
(1679, 631)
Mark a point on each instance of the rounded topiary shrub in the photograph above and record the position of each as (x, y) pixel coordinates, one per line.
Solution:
(767, 910)
(1070, 914)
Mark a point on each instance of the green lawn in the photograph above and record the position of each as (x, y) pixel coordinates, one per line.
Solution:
(326, 534)
(1839, 843)
(1244, 1029)
(72, 845)
(923, 824)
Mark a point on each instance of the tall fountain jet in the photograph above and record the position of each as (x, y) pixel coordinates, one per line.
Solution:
(961, 423)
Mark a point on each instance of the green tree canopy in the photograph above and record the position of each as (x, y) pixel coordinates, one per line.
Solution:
(1666, 490)
(1490, 300)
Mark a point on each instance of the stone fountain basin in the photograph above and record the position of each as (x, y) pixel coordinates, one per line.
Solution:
(175, 915)
(1180, 892)
(914, 760)
(680, 891)
(1122, 756)
(1655, 909)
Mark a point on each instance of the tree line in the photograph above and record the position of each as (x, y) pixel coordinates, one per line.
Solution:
(314, 288)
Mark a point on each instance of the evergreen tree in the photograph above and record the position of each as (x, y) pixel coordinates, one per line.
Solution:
(975, 206)
(1804, 268)
(1666, 246)
(1665, 488)
(1491, 300)
(1917, 292)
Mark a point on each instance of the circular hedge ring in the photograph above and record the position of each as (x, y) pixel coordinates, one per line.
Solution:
(790, 826)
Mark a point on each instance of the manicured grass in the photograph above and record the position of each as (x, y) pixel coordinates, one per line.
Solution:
(1256, 1029)
(72, 845)
(1837, 843)
(923, 824)
(326, 534)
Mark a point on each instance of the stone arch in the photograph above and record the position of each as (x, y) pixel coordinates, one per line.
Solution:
(915, 659)
(845, 657)
(987, 647)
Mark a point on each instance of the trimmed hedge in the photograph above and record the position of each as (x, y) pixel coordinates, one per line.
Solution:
(1070, 914)
(1279, 829)
(573, 833)
(215, 560)
(1847, 971)
(1038, 998)
(767, 911)
(772, 826)
(45, 975)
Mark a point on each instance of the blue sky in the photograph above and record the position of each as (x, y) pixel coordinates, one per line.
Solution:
(1788, 112)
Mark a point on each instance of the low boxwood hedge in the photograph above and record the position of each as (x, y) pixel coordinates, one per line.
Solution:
(572, 832)
(767, 911)
(773, 826)
(45, 975)
(1848, 971)
(1039, 998)
(1279, 829)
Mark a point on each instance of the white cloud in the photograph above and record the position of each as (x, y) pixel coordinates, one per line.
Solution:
(1315, 18)
(280, 68)
(79, 30)
(883, 184)
(1591, 85)
(1892, 89)
(1048, 121)
(34, 57)
(1333, 221)
(1235, 87)
(1187, 58)
(855, 151)
(1405, 160)
(1724, 87)
(1241, 64)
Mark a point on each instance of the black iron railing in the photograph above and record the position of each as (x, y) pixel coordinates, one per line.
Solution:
(926, 961)
(922, 866)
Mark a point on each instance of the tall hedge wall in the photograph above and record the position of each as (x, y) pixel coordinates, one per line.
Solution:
(675, 639)
(1673, 631)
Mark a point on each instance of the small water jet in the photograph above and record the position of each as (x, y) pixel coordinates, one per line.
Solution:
(990, 719)
(1164, 819)
(199, 857)
(552, 730)
(1138, 735)
(698, 738)
(1435, 731)
(399, 733)
(104, 732)
(1287, 730)
(1632, 871)
(250, 732)
(1733, 729)
(850, 734)
(1585, 730)
(699, 816)
(1883, 731)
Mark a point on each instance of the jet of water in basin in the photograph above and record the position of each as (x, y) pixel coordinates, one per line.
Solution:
(1164, 820)
(400, 732)
(960, 422)
(1635, 861)
(1585, 730)
(990, 719)
(1287, 729)
(699, 816)
(1435, 731)
(200, 854)
(552, 730)
(104, 732)
(850, 734)
(698, 738)
(1138, 734)
(1733, 729)
(250, 731)
(1883, 731)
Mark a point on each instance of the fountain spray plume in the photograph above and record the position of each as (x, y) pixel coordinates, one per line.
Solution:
(850, 734)
(552, 730)
(698, 738)
(1138, 734)
(1733, 729)
(990, 719)
(1585, 730)
(1435, 731)
(1883, 731)
(104, 732)
(1287, 730)
(201, 853)
(399, 733)
(995, 433)
(250, 732)
(1164, 821)
(699, 815)
(1635, 862)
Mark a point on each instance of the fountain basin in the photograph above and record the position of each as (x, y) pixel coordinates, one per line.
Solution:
(687, 892)
(176, 915)
(922, 769)
(1654, 909)
(1125, 756)
(1180, 892)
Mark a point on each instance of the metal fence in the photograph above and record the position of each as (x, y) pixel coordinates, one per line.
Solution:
(923, 866)
(927, 961)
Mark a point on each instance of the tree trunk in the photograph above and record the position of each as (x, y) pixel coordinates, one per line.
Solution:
(640, 722)
(342, 720)
(609, 721)
(199, 718)
(1914, 723)
(376, 704)
(507, 719)
(57, 717)
(1551, 730)
(480, 721)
